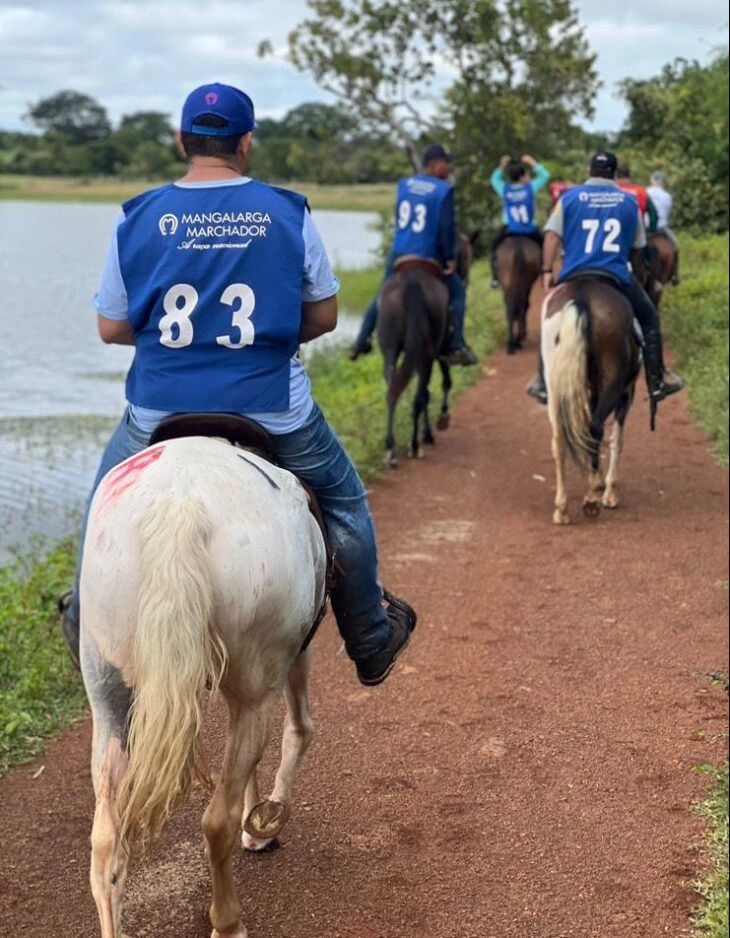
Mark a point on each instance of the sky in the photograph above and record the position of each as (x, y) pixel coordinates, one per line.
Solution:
(139, 55)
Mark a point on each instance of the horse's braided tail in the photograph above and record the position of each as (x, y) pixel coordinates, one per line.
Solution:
(176, 651)
(568, 383)
(417, 335)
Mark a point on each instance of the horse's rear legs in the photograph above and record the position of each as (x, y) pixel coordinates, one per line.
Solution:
(420, 407)
(247, 734)
(444, 417)
(108, 857)
(610, 496)
(264, 820)
(560, 515)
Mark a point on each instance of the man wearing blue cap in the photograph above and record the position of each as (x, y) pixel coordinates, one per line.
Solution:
(215, 280)
(425, 226)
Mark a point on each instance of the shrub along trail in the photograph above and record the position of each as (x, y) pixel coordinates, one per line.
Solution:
(527, 771)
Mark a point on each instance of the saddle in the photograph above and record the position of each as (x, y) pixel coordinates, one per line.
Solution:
(410, 262)
(612, 281)
(251, 436)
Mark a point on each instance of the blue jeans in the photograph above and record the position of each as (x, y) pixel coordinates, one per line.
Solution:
(457, 303)
(315, 455)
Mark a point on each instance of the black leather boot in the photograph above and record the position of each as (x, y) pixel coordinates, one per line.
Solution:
(660, 381)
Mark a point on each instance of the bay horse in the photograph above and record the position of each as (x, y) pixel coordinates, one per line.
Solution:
(662, 257)
(518, 261)
(203, 568)
(413, 321)
(592, 360)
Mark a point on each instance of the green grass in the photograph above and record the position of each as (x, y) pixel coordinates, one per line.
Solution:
(373, 197)
(711, 920)
(695, 320)
(40, 693)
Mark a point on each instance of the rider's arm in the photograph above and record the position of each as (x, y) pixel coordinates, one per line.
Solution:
(111, 299)
(552, 243)
(653, 214)
(317, 318)
(319, 299)
(497, 181)
(541, 177)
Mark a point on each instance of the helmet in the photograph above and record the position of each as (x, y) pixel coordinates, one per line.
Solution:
(658, 178)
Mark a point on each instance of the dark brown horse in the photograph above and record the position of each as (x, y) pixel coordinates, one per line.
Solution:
(413, 321)
(662, 258)
(592, 360)
(518, 263)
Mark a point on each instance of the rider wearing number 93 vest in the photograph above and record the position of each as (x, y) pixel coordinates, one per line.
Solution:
(602, 234)
(215, 280)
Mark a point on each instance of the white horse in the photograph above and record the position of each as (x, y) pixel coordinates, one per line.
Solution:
(202, 566)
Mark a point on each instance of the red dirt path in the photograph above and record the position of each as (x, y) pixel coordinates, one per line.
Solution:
(527, 771)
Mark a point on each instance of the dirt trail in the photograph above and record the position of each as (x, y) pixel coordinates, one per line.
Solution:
(528, 770)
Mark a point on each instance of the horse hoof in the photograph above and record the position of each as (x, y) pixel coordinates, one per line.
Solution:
(255, 845)
(417, 453)
(591, 509)
(266, 820)
(429, 439)
(511, 348)
(241, 933)
(389, 460)
(443, 422)
(610, 500)
(560, 517)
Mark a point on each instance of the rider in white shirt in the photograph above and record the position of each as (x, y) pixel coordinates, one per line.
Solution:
(663, 201)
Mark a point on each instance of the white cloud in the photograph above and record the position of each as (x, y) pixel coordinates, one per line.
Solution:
(147, 54)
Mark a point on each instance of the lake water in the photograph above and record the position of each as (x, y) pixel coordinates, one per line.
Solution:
(61, 389)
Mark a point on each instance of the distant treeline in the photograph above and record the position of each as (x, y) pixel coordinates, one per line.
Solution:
(74, 137)
(677, 121)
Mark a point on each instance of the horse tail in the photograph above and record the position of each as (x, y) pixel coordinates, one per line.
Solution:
(568, 383)
(176, 651)
(417, 334)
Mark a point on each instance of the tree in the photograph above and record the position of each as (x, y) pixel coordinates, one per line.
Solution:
(485, 76)
(678, 121)
(77, 116)
(148, 126)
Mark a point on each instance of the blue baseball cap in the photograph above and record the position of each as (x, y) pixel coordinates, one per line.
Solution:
(224, 101)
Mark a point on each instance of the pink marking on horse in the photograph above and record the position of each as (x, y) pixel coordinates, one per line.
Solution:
(127, 475)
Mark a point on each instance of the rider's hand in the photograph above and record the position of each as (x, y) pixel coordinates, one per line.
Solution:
(505, 161)
(548, 281)
(529, 160)
(449, 268)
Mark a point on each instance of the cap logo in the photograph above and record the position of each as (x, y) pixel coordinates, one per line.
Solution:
(211, 98)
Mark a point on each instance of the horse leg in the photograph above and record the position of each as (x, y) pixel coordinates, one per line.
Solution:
(446, 383)
(391, 400)
(110, 702)
(428, 438)
(247, 734)
(420, 403)
(592, 500)
(610, 497)
(560, 515)
(270, 816)
(108, 858)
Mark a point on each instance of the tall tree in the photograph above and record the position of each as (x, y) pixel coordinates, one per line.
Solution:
(485, 75)
(79, 117)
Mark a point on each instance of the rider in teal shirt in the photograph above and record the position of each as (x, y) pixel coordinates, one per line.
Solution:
(517, 182)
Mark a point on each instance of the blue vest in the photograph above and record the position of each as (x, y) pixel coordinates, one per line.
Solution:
(214, 280)
(599, 229)
(519, 208)
(418, 208)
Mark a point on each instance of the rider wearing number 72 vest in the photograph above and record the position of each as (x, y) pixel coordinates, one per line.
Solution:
(602, 234)
(215, 280)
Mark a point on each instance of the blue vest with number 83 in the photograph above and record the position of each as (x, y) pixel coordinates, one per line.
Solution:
(519, 206)
(418, 208)
(214, 280)
(599, 229)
